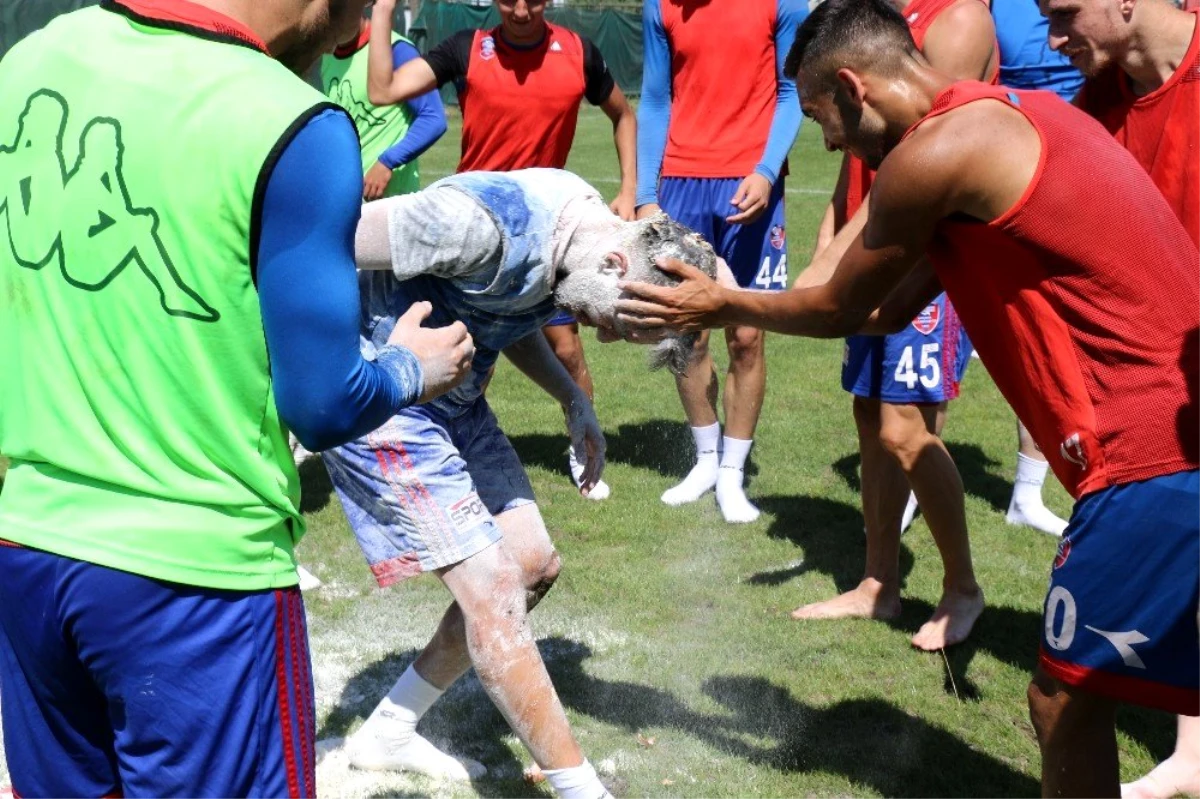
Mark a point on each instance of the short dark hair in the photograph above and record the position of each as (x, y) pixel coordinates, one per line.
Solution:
(849, 33)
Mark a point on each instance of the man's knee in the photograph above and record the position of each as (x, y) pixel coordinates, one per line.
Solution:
(745, 345)
(542, 579)
(1057, 710)
(1044, 700)
(903, 434)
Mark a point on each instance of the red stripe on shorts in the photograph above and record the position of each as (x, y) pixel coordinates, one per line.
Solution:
(303, 699)
(285, 713)
(1134, 690)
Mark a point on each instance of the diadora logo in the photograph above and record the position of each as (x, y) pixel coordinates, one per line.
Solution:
(102, 231)
(487, 48)
(342, 92)
(1064, 552)
(928, 319)
(1072, 451)
(555, 47)
(778, 236)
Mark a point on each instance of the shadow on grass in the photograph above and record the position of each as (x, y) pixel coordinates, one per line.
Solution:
(975, 467)
(830, 534)
(658, 445)
(315, 488)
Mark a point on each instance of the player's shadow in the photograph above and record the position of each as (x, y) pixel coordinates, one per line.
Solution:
(657, 445)
(315, 488)
(830, 536)
(870, 742)
(975, 466)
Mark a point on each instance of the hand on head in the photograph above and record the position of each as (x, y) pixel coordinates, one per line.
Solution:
(688, 307)
(445, 353)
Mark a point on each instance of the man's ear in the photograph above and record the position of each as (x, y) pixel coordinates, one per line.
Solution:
(852, 85)
(615, 264)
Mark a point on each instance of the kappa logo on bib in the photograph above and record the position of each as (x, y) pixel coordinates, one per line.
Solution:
(928, 319)
(487, 48)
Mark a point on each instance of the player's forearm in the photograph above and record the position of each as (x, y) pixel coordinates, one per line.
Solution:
(654, 109)
(535, 359)
(625, 139)
(785, 126)
(379, 55)
(810, 312)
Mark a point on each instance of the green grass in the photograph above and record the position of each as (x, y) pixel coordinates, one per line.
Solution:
(670, 625)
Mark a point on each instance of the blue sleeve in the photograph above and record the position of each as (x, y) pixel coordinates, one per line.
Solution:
(785, 125)
(429, 120)
(654, 109)
(308, 292)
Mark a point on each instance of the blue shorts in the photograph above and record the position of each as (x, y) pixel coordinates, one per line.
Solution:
(756, 253)
(923, 363)
(1121, 614)
(420, 492)
(117, 684)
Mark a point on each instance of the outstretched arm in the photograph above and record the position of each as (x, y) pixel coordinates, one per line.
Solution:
(386, 85)
(534, 357)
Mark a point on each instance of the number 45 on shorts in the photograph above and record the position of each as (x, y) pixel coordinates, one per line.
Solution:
(930, 371)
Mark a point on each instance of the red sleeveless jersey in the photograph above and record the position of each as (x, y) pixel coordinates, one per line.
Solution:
(504, 128)
(1082, 300)
(1161, 129)
(920, 16)
(723, 86)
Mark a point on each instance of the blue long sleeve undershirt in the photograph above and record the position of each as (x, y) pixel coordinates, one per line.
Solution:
(429, 120)
(325, 391)
(654, 109)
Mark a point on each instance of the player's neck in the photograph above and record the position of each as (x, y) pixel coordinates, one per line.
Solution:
(1161, 38)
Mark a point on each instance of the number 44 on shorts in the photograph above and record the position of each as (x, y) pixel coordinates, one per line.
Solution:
(930, 372)
(772, 279)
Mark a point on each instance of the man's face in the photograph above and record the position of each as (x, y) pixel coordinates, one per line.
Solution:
(1092, 33)
(522, 20)
(588, 288)
(323, 25)
(847, 124)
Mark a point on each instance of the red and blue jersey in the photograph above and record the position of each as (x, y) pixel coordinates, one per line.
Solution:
(1085, 313)
(715, 103)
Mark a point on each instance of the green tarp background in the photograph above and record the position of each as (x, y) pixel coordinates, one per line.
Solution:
(618, 34)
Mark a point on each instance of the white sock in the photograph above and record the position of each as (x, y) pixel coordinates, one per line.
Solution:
(578, 782)
(910, 512)
(703, 475)
(601, 489)
(731, 496)
(1027, 506)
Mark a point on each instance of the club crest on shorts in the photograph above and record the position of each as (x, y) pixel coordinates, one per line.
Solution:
(487, 48)
(1064, 552)
(927, 320)
(777, 236)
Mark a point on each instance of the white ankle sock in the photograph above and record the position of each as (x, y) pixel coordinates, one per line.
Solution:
(1027, 506)
(578, 782)
(396, 716)
(731, 496)
(703, 475)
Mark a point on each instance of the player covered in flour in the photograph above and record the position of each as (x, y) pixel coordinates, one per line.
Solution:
(438, 487)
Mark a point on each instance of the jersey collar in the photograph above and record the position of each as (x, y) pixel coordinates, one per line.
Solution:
(347, 49)
(187, 17)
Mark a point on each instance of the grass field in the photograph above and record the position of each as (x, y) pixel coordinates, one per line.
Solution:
(668, 634)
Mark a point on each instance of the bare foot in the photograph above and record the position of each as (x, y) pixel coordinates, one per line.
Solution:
(951, 621)
(870, 600)
(1175, 775)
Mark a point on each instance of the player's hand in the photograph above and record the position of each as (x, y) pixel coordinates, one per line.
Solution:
(649, 209)
(751, 199)
(691, 306)
(623, 205)
(375, 181)
(588, 440)
(445, 353)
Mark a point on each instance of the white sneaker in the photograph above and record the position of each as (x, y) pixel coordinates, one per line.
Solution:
(308, 580)
(599, 491)
(373, 752)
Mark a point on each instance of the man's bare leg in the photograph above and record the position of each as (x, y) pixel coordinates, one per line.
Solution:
(909, 434)
(568, 348)
(698, 390)
(884, 489)
(745, 387)
(1076, 731)
(1027, 506)
(487, 627)
(1179, 773)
